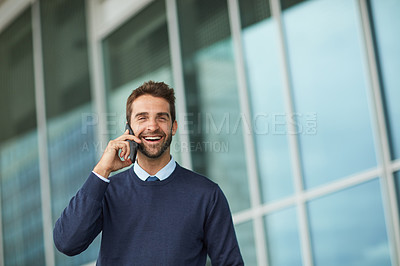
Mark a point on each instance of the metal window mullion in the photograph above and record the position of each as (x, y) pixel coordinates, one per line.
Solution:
(396, 165)
(251, 159)
(381, 138)
(96, 76)
(107, 26)
(339, 185)
(11, 9)
(293, 141)
(42, 135)
(177, 73)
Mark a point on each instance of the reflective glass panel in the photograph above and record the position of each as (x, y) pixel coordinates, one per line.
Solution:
(71, 143)
(283, 238)
(397, 181)
(214, 117)
(245, 236)
(387, 23)
(329, 83)
(21, 211)
(135, 53)
(263, 65)
(348, 227)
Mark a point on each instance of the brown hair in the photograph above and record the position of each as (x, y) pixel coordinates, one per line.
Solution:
(155, 89)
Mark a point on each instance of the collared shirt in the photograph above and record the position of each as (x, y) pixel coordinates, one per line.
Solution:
(163, 174)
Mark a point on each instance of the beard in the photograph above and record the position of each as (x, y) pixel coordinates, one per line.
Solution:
(163, 147)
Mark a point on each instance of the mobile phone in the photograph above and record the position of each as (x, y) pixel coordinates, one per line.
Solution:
(132, 145)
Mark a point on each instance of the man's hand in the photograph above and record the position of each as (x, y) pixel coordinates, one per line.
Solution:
(110, 161)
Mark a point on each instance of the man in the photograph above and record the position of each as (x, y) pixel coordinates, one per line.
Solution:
(175, 220)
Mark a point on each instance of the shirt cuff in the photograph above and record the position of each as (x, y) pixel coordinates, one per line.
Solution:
(102, 178)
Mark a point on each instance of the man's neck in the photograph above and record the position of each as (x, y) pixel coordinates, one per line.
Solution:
(152, 166)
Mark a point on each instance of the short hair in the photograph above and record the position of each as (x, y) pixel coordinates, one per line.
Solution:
(155, 89)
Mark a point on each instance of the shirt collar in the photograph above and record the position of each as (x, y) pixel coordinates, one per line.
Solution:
(163, 174)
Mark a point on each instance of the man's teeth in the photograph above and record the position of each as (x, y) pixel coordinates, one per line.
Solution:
(152, 138)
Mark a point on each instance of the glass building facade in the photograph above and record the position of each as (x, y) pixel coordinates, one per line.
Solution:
(290, 106)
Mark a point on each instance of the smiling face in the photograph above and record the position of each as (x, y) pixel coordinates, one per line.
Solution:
(151, 121)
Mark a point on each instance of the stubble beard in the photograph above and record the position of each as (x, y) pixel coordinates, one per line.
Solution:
(164, 146)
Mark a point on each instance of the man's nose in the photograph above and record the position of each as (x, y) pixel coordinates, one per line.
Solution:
(152, 124)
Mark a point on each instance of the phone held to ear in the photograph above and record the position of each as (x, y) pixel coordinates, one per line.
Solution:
(132, 145)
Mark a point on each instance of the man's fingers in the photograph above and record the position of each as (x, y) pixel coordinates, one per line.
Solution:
(123, 136)
(116, 145)
(127, 136)
(111, 160)
(125, 149)
(127, 162)
(123, 156)
(136, 139)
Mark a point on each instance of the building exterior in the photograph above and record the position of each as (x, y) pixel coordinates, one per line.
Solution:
(290, 106)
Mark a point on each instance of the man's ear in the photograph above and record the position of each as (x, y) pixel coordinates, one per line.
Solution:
(174, 127)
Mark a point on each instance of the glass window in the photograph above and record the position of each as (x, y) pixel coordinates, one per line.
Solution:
(329, 84)
(21, 211)
(245, 236)
(285, 4)
(348, 227)
(281, 233)
(65, 55)
(72, 150)
(261, 52)
(386, 23)
(397, 181)
(214, 118)
(137, 52)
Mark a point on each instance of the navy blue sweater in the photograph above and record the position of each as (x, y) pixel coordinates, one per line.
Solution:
(172, 222)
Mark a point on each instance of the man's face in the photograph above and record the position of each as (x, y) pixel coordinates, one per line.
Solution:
(151, 122)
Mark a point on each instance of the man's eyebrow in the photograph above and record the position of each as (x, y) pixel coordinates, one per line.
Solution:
(142, 113)
(158, 114)
(163, 114)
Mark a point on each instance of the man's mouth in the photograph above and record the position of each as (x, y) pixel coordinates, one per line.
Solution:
(152, 138)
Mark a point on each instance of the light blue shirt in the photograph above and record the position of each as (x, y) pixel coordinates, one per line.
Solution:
(163, 174)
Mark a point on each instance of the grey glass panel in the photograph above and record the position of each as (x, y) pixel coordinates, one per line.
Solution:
(21, 211)
(71, 144)
(397, 181)
(245, 236)
(348, 227)
(253, 11)
(214, 118)
(329, 81)
(138, 48)
(387, 23)
(65, 55)
(137, 52)
(285, 4)
(263, 65)
(17, 104)
(283, 238)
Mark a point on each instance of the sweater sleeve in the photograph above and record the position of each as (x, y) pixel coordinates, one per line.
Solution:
(82, 220)
(220, 237)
